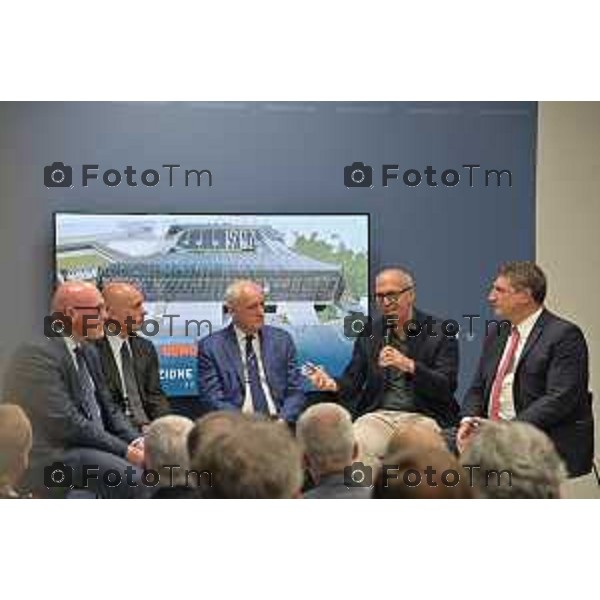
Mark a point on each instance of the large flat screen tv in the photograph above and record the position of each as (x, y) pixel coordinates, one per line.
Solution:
(314, 269)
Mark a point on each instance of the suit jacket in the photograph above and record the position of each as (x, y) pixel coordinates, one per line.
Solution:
(361, 386)
(43, 379)
(220, 371)
(333, 487)
(145, 365)
(550, 386)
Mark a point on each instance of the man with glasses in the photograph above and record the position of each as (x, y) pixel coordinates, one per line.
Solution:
(407, 364)
(58, 381)
(535, 369)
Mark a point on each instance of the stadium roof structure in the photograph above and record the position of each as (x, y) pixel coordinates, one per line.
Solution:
(204, 259)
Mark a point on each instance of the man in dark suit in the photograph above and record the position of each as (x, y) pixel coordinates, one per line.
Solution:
(58, 382)
(407, 364)
(129, 362)
(534, 369)
(250, 366)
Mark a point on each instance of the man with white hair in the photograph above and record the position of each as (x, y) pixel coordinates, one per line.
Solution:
(166, 452)
(327, 439)
(250, 366)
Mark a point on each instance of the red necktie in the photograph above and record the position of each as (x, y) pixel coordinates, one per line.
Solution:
(505, 367)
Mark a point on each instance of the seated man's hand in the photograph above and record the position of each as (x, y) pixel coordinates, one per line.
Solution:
(321, 379)
(467, 430)
(390, 357)
(135, 453)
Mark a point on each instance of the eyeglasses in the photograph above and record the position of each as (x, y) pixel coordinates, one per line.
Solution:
(392, 297)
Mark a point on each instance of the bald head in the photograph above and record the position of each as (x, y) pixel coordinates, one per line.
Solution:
(82, 304)
(327, 438)
(397, 276)
(125, 305)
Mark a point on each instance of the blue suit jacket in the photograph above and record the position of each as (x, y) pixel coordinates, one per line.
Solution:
(220, 371)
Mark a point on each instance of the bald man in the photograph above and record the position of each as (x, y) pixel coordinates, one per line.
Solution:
(250, 366)
(58, 381)
(130, 362)
(397, 369)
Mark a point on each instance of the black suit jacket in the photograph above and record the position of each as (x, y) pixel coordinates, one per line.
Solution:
(43, 379)
(550, 386)
(145, 363)
(435, 379)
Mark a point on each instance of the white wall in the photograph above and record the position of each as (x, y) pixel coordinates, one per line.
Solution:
(568, 219)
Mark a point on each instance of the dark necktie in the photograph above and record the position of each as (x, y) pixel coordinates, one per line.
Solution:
(133, 401)
(90, 405)
(259, 401)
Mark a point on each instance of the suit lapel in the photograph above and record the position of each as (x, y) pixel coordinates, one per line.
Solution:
(67, 360)
(533, 338)
(232, 350)
(266, 351)
(112, 373)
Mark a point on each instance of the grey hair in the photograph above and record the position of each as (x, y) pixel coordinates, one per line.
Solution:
(326, 435)
(235, 290)
(165, 443)
(532, 467)
(260, 459)
(403, 273)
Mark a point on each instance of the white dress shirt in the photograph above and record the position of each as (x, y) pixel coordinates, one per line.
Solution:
(116, 343)
(248, 406)
(507, 400)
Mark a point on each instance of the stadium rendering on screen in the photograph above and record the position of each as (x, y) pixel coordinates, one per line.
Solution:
(313, 268)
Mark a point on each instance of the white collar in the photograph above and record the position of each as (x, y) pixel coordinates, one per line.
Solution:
(526, 326)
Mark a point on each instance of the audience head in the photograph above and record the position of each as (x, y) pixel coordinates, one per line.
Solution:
(253, 458)
(210, 426)
(15, 444)
(518, 290)
(395, 295)
(83, 304)
(245, 301)
(165, 443)
(326, 436)
(421, 474)
(513, 460)
(125, 305)
(414, 432)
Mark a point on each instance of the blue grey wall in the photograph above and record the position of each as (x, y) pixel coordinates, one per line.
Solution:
(279, 157)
